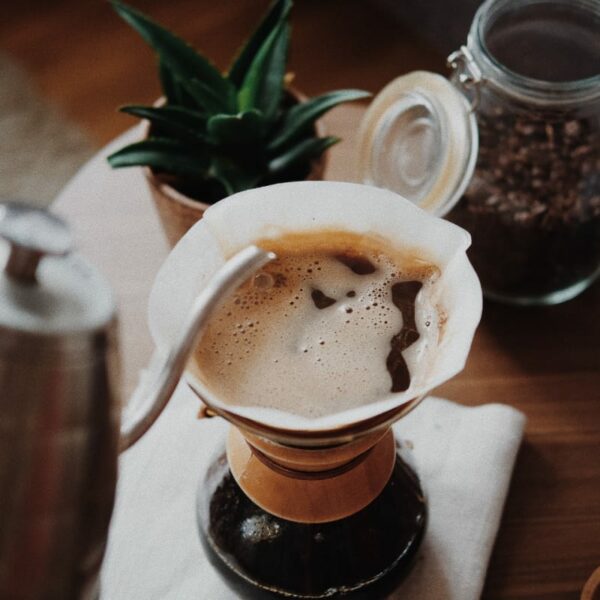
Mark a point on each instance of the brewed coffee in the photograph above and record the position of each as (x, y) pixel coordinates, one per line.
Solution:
(337, 321)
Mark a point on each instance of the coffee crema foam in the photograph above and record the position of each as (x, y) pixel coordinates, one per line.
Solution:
(337, 321)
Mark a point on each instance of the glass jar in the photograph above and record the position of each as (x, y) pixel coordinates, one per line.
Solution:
(531, 70)
(509, 148)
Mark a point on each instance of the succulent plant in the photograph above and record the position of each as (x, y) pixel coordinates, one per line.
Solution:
(217, 134)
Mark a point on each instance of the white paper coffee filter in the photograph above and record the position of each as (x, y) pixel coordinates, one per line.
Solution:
(302, 207)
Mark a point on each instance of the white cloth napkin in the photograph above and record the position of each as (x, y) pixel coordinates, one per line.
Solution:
(464, 457)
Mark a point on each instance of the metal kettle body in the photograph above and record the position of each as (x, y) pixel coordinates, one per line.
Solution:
(58, 462)
(58, 412)
(60, 432)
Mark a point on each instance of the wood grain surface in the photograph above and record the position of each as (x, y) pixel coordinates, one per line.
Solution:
(85, 59)
(544, 361)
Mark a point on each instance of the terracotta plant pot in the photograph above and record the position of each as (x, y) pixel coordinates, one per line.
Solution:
(179, 212)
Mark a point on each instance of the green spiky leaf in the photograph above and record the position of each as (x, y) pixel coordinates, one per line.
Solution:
(241, 129)
(173, 91)
(301, 153)
(162, 154)
(184, 62)
(206, 97)
(234, 175)
(278, 13)
(301, 117)
(262, 87)
(175, 120)
(168, 83)
(219, 135)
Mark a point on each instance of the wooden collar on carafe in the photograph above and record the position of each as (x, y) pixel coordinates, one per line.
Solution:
(313, 485)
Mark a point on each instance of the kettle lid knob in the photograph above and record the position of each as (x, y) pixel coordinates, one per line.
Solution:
(32, 234)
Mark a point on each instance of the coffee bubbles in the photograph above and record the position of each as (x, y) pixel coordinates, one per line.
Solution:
(338, 321)
(303, 222)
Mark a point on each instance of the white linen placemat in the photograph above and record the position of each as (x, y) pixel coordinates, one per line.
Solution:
(464, 457)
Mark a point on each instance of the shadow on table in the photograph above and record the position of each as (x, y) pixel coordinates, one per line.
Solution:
(546, 516)
(546, 339)
(543, 551)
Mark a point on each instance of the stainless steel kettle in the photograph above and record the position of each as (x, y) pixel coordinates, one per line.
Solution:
(60, 404)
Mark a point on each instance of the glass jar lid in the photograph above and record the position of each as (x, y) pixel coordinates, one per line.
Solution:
(419, 138)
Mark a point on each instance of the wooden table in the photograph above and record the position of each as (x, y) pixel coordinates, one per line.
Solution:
(544, 361)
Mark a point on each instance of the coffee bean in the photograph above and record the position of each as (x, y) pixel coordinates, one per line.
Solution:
(533, 206)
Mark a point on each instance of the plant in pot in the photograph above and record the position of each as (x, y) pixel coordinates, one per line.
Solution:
(213, 134)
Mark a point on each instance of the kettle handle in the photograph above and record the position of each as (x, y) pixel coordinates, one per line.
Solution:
(159, 381)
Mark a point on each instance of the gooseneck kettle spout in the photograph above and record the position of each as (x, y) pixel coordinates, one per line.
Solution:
(153, 392)
(33, 234)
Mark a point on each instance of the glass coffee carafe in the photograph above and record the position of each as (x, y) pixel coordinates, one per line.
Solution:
(298, 507)
(340, 518)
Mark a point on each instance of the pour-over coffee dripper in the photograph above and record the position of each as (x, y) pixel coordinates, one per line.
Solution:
(317, 508)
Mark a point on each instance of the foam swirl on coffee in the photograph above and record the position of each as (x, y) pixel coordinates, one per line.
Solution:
(328, 326)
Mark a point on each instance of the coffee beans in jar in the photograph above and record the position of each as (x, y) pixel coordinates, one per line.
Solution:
(533, 204)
